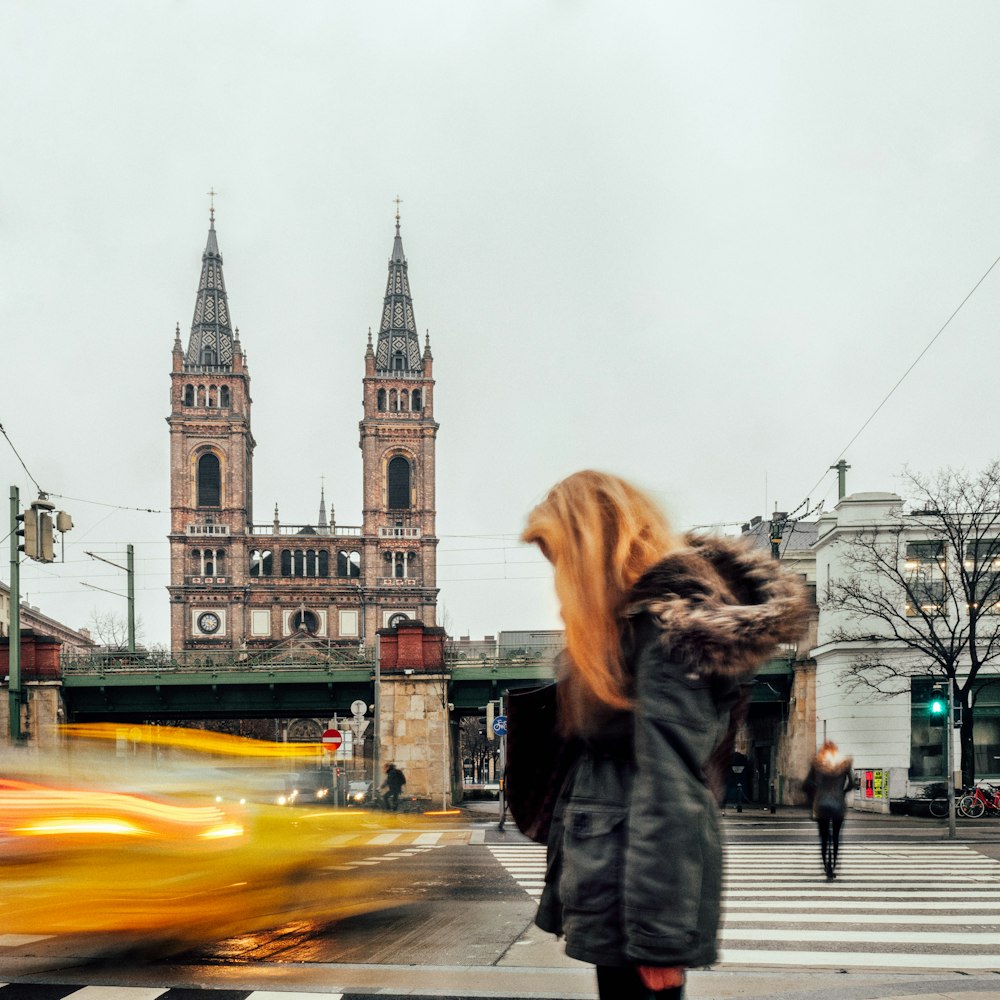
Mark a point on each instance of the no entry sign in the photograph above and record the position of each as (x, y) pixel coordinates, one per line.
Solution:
(332, 739)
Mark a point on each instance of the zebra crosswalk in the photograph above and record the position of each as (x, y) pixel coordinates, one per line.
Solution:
(893, 906)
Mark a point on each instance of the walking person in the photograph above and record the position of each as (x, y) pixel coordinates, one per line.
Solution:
(393, 786)
(662, 632)
(829, 780)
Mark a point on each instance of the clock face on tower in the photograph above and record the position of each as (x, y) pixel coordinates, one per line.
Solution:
(209, 622)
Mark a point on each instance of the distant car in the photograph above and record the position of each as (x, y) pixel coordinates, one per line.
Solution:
(307, 788)
(359, 793)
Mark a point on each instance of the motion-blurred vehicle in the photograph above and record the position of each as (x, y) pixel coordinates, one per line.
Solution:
(158, 850)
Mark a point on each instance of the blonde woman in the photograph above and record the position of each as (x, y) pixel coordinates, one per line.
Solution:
(662, 632)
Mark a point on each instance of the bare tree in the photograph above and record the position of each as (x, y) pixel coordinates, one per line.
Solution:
(922, 592)
(476, 747)
(111, 630)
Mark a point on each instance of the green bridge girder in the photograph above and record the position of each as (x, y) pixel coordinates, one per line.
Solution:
(133, 688)
(161, 687)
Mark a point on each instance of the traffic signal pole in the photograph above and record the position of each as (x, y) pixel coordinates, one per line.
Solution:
(14, 639)
(949, 739)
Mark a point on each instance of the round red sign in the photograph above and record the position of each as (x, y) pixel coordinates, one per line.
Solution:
(332, 739)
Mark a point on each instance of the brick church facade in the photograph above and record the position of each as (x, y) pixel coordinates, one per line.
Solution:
(240, 585)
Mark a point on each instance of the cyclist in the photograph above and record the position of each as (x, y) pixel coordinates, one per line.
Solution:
(827, 784)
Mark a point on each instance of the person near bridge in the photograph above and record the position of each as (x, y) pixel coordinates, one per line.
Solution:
(827, 784)
(393, 786)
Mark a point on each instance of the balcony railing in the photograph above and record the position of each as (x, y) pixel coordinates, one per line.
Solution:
(338, 531)
(208, 529)
(398, 532)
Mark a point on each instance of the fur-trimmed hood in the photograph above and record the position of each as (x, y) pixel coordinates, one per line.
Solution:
(721, 605)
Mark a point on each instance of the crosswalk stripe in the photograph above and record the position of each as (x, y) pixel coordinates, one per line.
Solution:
(779, 909)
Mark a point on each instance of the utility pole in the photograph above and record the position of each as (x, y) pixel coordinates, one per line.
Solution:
(130, 590)
(949, 738)
(14, 639)
(841, 468)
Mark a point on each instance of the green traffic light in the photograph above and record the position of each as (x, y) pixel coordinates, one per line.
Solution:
(937, 707)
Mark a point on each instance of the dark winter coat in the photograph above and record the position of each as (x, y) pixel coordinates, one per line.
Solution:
(634, 872)
(827, 785)
(394, 780)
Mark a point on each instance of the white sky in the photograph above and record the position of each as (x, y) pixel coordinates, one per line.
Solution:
(691, 244)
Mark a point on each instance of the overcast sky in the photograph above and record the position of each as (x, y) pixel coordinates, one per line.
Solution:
(695, 245)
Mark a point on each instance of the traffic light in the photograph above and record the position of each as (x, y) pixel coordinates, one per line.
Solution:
(937, 707)
(39, 524)
(30, 532)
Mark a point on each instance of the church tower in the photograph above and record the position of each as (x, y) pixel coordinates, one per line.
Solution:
(398, 439)
(211, 480)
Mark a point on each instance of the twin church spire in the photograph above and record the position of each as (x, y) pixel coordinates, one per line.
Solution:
(211, 342)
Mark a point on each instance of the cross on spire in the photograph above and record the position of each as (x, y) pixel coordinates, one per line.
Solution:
(398, 201)
(212, 193)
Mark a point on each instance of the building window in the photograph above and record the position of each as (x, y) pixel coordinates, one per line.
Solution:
(200, 400)
(213, 391)
(393, 400)
(348, 623)
(348, 563)
(982, 565)
(324, 562)
(261, 562)
(399, 361)
(208, 355)
(189, 395)
(416, 401)
(398, 476)
(925, 578)
(224, 396)
(286, 562)
(381, 399)
(209, 481)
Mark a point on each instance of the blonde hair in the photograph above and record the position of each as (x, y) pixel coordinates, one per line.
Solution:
(601, 534)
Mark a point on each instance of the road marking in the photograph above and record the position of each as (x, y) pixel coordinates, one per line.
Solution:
(385, 838)
(18, 940)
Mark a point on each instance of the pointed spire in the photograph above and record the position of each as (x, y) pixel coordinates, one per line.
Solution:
(369, 350)
(427, 347)
(177, 339)
(211, 341)
(322, 525)
(398, 340)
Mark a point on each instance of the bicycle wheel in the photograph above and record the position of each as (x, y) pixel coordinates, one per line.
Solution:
(971, 806)
(938, 808)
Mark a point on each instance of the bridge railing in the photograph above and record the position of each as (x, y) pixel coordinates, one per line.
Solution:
(199, 661)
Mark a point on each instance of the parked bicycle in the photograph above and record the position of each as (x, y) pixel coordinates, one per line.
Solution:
(984, 799)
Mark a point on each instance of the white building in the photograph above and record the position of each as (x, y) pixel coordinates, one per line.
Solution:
(896, 751)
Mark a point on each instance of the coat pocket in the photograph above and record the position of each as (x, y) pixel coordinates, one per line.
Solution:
(593, 857)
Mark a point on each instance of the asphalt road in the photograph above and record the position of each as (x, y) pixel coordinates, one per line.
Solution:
(457, 915)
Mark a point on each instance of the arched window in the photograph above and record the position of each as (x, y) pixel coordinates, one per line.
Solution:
(196, 562)
(220, 566)
(393, 400)
(348, 563)
(298, 563)
(324, 562)
(209, 569)
(224, 396)
(416, 401)
(311, 562)
(286, 562)
(260, 562)
(404, 400)
(213, 394)
(209, 481)
(398, 483)
(200, 400)
(189, 395)
(381, 399)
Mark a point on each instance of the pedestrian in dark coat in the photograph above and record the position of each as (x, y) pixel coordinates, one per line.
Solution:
(829, 780)
(662, 632)
(393, 785)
